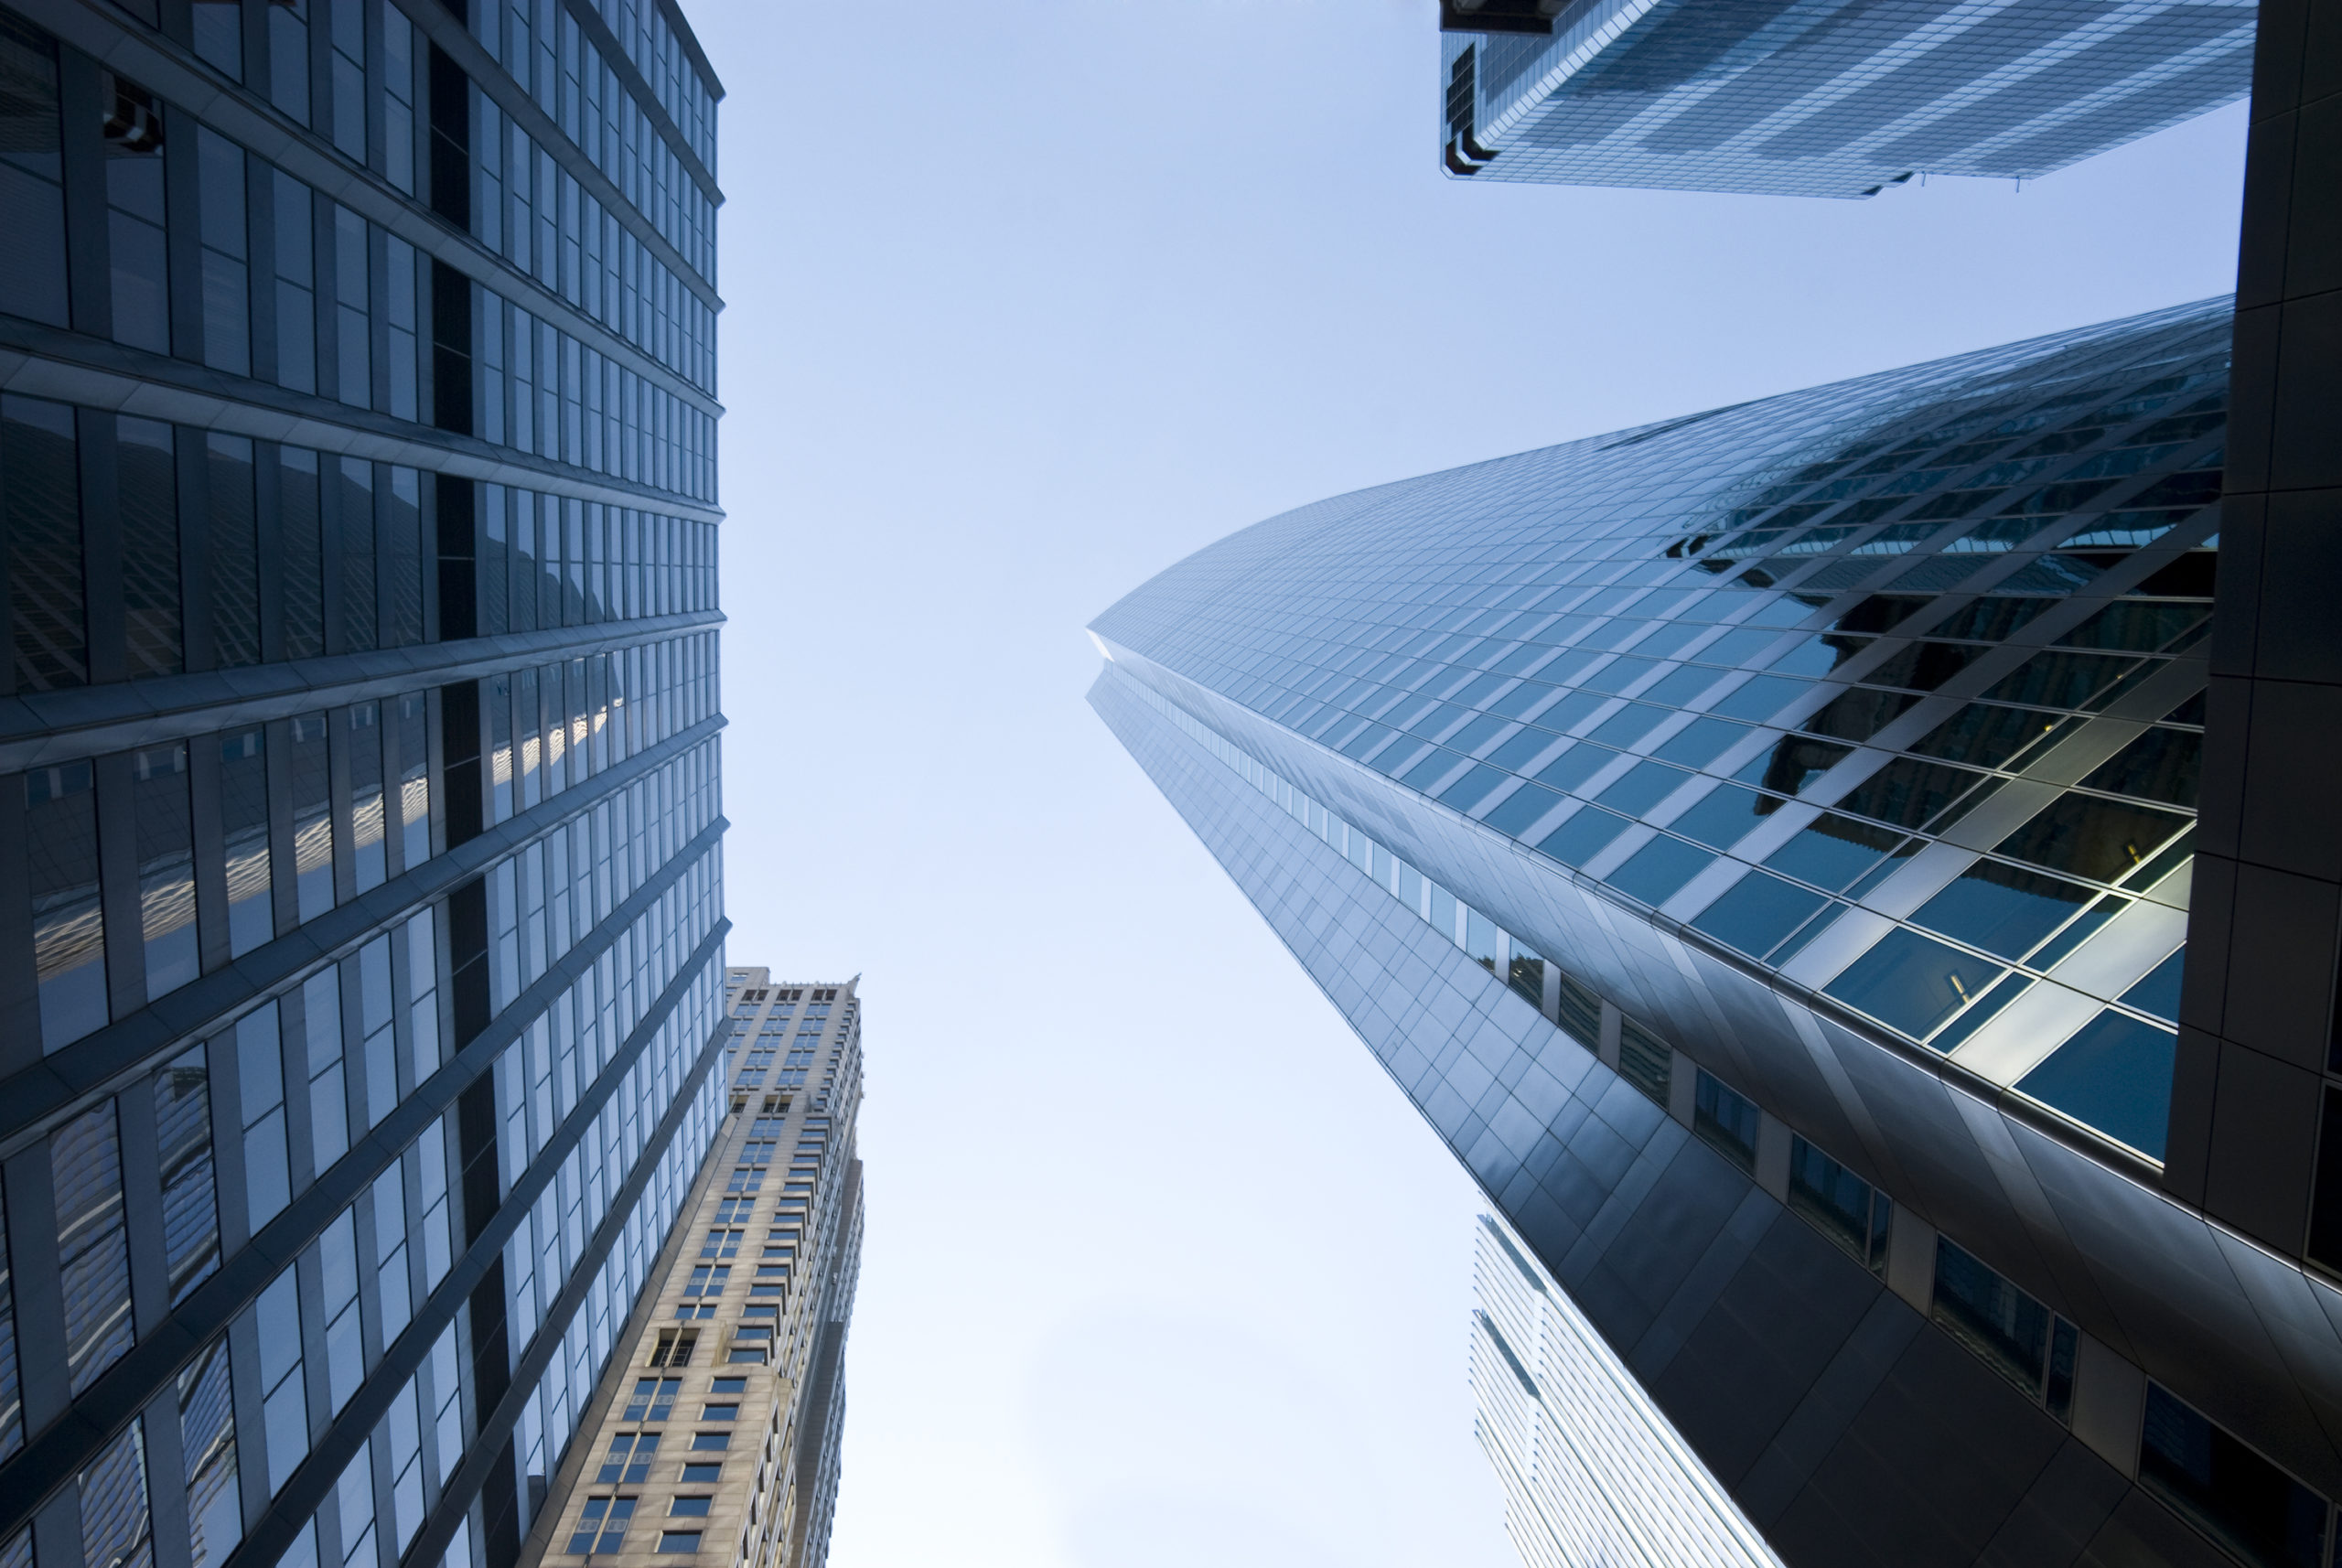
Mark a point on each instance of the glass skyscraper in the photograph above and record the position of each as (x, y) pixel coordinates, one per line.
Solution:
(1762, 843)
(360, 894)
(1821, 97)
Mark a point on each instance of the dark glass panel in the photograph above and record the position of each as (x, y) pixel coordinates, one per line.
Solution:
(2141, 628)
(1760, 698)
(2161, 765)
(414, 778)
(1645, 1061)
(147, 471)
(244, 808)
(1838, 1203)
(138, 254)
(1912, 983)
(227, 279)
(1884, 612)
(1858, 715)
(234, 541)
(366, 815)
(355, 504)
(1923, 666)
(1991, 619)
(1725, 1120)
(402, 565)
(32, 190)
(2113, 1075)
(40, 454)
(2002, 908)
(312, 815)
(69, 923)
(1913, 794)
(165, 830)
(2091, 837)
(1756, 913)
(1984, 1312)
(2057, 679)
(1986, 735)
(301, 552)
(1792, 764)
(295, 262)
(2227, 1490)
(1819, 655)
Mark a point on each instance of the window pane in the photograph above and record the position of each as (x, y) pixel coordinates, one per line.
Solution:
(165, 833)
(146, 469)
(32, 242)
(43, 496)
(69, 925)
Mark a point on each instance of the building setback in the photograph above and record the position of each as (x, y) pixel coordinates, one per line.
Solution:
(716, 1431)
(361, 883)
(1820, 97)
(1763, 845)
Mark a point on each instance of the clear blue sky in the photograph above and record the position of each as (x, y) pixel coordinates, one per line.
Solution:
(1028, 300)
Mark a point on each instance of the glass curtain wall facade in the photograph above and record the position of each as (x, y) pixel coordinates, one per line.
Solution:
(361, 889)
(1840, 98)
(716, 1433)
(1761, 844)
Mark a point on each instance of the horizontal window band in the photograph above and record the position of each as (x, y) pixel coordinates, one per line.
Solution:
(71, 1442)
(37, 360)
(90, 721)
(240, 113)
(39, 1094)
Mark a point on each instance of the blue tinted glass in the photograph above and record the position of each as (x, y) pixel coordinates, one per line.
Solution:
(1761, 698)
(1755, 913)
(1643, 787)
(1912, 983)
(1629, 725)
(2002, 908)
(2115, 1076)
(1581, 838)
(1721, 817)
(1654, 871)
(1834, 851)
(1521, 811)
(1575, 766)
(2159, 992)
(1987, 1007)
(1474, 787)
(1700, 742)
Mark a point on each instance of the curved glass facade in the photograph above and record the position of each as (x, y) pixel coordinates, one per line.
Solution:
(1890, 690)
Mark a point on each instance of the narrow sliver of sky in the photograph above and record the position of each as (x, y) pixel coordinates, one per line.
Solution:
(1026, 301)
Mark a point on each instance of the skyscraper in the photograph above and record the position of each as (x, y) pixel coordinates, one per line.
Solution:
(1821, 97)
(717, 1430)
(360, 895)
(1591, 1472)
(1762, 843)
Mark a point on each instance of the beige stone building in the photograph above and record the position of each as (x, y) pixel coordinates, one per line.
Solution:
(713, 1442)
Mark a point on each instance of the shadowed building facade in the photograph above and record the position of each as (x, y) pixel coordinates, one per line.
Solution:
(717, 1432)
(1763, 845)
(361, 883)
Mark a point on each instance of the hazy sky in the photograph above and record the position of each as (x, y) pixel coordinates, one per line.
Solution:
(1026, 301)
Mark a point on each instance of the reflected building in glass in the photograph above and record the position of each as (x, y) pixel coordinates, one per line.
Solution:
(360, 891)
(1839, 98)
(1762, 845)
(717, 1430)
